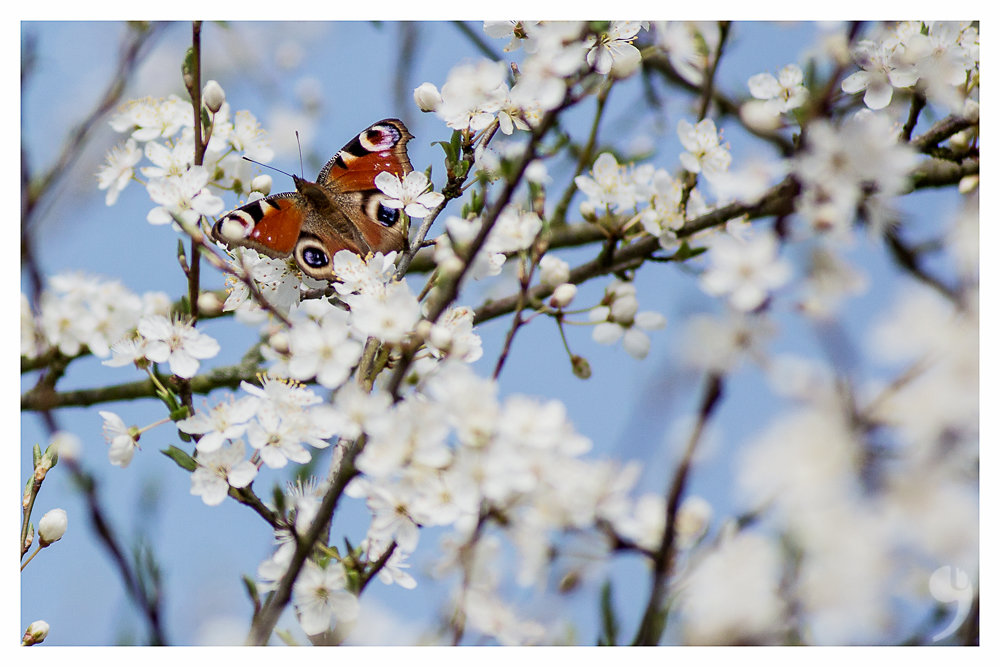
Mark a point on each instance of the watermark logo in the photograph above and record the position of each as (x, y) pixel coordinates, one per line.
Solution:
(950, 585)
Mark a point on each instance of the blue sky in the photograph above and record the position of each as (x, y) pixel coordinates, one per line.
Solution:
(628, 408)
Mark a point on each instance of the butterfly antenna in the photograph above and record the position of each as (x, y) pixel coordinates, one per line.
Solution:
(267, 166)
(302, 168)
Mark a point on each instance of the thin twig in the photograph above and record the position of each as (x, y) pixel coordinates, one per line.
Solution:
(477, 40)
(586, 156)
(651, 625)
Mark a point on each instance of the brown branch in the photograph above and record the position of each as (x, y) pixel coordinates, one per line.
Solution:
(778, 200)
(651, 626)
(941, 130)
(264, 622)
(41, 398)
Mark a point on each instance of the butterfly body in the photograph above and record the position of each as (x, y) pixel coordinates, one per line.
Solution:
(341, 210)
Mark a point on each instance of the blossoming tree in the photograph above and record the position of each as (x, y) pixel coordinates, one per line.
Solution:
(368, 424)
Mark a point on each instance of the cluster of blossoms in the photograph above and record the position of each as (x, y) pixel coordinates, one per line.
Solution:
(163, 132)
(650, 195)
(78, 311)
(476, 94)
(447, 454)
(515, 230)
(805, 468)
(938, 58)
(452, 453)
(860, 161)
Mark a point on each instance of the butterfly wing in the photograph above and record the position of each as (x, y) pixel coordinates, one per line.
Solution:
(270, 225)
(380, 147)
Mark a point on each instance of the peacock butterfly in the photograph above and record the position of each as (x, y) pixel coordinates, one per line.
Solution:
(342, 210)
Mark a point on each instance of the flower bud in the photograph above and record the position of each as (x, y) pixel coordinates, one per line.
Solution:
(427, 97)
(35, 634)
(279, 342)
(52, 527)
(624, 308)
(759, 115)
(563, 295)
(536, 172)
(588, 211)
(423, 329)
(261, 184)
(233, 229)
(693, 517)
(451, 267)
(968, 183)
(553, 271)
(959, 140)
(209, 304)
(970, 110)
(213, 95)
(581, 367)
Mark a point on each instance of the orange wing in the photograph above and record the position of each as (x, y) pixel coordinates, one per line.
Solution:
(381, 147)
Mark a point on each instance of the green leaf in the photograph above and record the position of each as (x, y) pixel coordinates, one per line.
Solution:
(251, 587)
(188, 66)
(278, 497)
(180, 457)
(609, 623)
(451, 149)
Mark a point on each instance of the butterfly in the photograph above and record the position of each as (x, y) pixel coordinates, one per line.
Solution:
(342, 210)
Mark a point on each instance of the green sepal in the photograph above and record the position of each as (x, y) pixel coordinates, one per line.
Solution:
(179, 413)
(686, 252)
(180, 457)
(286, 637)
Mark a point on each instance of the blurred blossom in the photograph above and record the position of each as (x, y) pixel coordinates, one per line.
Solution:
(733, 596)
(720, 343)
(780, 94)
(744, 271)
(705, 154)
(320, 597)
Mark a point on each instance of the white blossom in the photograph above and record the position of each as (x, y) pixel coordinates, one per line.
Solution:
(320, 596)
(123, 441)
(704, 154)
(118, 171)
(220, 469)
(780, 94)
(177, 343)
(409, 194)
